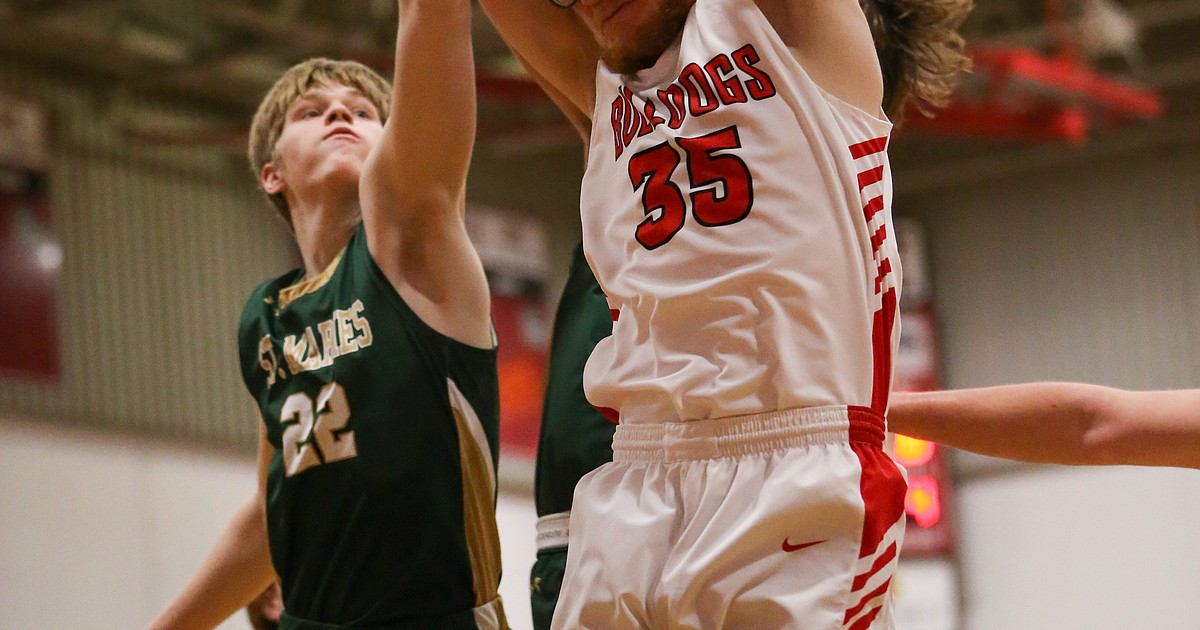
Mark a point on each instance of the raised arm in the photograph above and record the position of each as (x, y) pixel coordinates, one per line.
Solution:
(555, 44)
(413, 189)
(832, 40)
(237, 568)
(582, 122)
(1058, 423)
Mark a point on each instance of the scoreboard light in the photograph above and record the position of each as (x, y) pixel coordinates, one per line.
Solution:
(928, 503)
(911, 452)
(923, 502)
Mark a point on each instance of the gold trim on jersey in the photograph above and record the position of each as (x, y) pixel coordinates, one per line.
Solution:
(287, 295)
(479, 498)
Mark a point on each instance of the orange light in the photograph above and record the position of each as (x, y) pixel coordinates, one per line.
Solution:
(911, 452)
(922, 501)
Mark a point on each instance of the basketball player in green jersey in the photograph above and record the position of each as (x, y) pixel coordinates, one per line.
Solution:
(374, 365)
(575, 437)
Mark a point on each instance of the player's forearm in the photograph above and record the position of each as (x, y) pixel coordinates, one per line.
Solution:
(581, 121)
(431, 130)
(554, 43)
(1038, 422)
(1157, 428)
(235, 571)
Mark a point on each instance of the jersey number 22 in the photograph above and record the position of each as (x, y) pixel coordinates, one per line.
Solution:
(316, 433)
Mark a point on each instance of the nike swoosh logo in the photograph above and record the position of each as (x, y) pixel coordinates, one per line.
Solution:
(789, 548)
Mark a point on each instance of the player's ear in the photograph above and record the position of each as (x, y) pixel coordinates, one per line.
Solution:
(271, 179)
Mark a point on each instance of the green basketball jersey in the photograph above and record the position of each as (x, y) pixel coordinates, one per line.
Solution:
(575, 438)
(381, 492)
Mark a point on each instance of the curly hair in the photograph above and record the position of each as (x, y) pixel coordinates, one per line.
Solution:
(272, 111)
(920, 51)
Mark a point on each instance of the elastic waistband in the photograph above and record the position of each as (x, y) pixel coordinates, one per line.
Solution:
(735, 436)
(553, 530)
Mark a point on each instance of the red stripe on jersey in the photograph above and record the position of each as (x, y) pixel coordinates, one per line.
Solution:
(877, 240)
(885, 268)
(614, 313)
(882, 561)
(873, 176)
(873, 206)
(881, 346)
(863, 149)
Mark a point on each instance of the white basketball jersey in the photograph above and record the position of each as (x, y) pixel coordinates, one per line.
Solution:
(739, 220)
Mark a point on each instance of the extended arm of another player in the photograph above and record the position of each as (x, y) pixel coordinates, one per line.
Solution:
(236, 569)
(581, 121)
(1058, 423)
(413, 188)
(554, 43)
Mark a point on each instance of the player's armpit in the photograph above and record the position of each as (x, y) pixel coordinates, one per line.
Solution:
(833, 42)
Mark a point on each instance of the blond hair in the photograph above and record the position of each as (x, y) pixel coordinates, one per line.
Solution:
(296, 81)
(920, 51)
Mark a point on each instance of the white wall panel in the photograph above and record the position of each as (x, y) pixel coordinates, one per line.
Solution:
(1087, 274)
(1063, 548)
(73, 533)
(161, 247)
(100, 532)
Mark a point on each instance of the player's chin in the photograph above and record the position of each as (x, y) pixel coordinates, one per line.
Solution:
(630, 61)
(344, 168)
(349, 156)
(638, 52)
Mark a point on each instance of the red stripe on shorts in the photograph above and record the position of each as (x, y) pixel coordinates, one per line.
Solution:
(862, 603)
(883, 488)
(865, 622)
(609, 414)
(880, 562)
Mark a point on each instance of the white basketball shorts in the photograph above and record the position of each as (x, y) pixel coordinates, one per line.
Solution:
(787, 520)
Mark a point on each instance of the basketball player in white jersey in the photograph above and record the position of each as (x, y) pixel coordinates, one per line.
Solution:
(736, 212)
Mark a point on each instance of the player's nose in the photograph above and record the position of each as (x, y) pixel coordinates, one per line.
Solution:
(338, 112)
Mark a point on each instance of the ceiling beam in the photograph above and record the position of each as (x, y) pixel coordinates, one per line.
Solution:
(305, 39)
(1148, 16)
(993, 165)
(1172, 74)
(92, 52)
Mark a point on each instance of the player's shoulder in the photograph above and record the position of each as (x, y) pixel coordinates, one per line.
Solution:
(264, 299)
